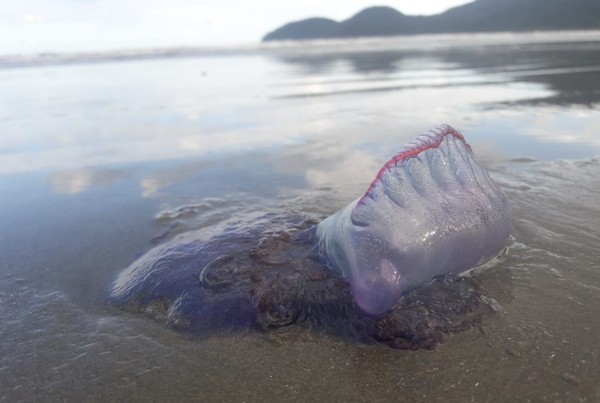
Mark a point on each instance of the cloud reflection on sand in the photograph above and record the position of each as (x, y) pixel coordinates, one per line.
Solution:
(78, 180)
(294, 123)
(170, 147)
(338, 114)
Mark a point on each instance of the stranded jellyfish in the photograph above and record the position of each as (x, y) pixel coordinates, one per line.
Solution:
(384, 268)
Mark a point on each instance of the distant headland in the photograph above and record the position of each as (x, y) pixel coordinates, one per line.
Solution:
(478, 16)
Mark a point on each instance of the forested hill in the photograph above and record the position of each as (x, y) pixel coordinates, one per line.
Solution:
(478, 16)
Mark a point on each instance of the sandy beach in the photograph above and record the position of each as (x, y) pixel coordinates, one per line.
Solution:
(95, 155)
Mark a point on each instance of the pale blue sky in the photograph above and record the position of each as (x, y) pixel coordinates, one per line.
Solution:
(30, 26)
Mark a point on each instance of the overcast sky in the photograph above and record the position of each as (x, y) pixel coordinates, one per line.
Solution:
(28, 26)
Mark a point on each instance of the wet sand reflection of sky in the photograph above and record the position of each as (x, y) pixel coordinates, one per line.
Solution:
(344, 111)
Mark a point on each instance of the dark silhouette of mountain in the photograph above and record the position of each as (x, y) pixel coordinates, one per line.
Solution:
(478, 16)
(311, 28)
(373, 21)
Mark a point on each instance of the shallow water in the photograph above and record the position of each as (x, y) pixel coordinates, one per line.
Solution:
(97, 160)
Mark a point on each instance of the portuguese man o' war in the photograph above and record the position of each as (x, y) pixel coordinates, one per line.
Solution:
(431, 210)
(385, 268)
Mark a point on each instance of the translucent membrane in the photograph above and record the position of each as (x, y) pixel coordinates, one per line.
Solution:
(431, 210)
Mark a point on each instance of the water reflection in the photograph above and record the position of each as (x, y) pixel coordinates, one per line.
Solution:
(570, 88)
(78, 180)
(153, 183)
(565, 70)
(350, 105)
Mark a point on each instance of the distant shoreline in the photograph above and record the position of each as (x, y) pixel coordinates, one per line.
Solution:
(368, 44)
